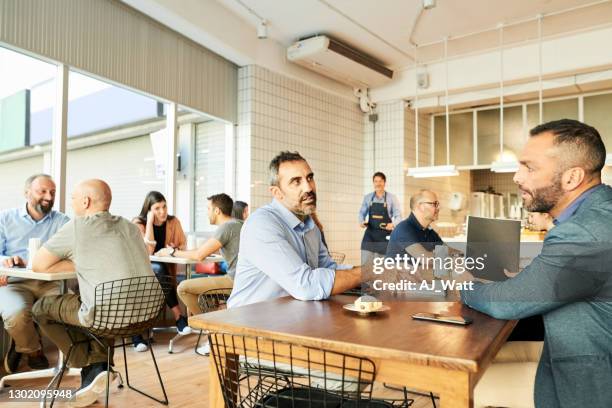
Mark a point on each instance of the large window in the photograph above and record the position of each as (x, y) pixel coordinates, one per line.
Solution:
(27, 99)
(213, 152)
(27, 93)
(121, 139)
(114, 134)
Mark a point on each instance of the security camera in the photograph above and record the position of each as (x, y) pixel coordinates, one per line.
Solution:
(262, 30)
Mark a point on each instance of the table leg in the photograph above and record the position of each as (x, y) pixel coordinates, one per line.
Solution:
(457, 391)
(215, 395)
(188, 274)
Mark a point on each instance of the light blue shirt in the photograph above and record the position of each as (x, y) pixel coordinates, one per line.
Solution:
(280, 256)
(393, 207)
(17, 227)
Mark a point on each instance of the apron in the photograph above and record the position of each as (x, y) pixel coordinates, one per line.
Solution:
(375, 236)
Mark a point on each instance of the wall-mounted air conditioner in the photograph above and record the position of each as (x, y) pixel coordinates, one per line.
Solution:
(331, 58)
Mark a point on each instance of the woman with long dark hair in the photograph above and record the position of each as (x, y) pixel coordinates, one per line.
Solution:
(161, 230)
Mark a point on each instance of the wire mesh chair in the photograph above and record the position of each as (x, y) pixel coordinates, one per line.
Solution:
(210, 301)
(407, 392)
(123, 308)
(337, 257)
(256, 372)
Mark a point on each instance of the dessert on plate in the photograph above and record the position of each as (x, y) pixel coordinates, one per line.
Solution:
(367, 304)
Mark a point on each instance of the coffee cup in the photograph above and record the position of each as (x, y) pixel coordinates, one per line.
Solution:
(33, 247)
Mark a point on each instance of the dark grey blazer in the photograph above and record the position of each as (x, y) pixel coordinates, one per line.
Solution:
(570, 284)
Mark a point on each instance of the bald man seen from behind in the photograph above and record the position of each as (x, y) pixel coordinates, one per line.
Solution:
(101, 247)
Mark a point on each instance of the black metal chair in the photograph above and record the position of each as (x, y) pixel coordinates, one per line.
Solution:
(210, 301)
(256, 372)
(407, 392)
(123, 308)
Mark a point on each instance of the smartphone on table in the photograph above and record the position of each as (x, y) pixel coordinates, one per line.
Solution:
(435, 317)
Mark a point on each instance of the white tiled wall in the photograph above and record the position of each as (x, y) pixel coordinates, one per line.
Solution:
(384, 148)
(278, 113)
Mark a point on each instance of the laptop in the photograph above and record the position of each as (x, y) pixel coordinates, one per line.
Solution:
(497, 242)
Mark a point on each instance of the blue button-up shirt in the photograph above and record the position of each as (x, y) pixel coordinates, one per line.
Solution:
(393, 207)
(574, 205)
(279, 256)
(17, 227)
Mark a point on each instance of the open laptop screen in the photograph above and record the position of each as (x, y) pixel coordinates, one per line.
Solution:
(498, 242)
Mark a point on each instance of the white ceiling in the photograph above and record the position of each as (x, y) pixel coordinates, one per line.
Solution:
(387, 29)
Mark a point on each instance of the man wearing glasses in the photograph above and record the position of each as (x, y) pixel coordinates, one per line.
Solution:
(414, 236)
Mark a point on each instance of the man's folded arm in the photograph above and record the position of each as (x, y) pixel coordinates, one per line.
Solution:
(346, 279)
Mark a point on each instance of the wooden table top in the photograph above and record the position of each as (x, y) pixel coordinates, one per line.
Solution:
(29, 274)
(388, 335)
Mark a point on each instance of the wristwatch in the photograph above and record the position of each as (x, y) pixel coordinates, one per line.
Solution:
(173, 251)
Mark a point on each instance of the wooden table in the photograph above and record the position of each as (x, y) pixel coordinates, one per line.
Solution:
(185, 261)
(44, 276)
(446, 359)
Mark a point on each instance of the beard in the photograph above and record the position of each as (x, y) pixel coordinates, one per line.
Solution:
(545, 198)
(306, 205)
(310, 207)
(44, 208)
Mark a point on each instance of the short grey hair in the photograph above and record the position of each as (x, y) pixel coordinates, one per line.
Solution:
(416, 197)
(279, 159)
(30, 180)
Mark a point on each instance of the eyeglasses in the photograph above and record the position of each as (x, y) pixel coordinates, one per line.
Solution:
(435, 204)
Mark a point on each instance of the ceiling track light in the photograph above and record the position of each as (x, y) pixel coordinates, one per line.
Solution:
(262, 25)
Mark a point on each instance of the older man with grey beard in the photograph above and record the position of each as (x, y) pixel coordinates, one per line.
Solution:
(34, 219)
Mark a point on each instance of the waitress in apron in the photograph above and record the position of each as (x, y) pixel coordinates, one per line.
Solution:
(379, 213)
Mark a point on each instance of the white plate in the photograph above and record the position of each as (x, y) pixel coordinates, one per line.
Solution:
(351, 307)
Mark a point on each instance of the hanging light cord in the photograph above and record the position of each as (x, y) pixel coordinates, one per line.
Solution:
(540, 68)
(416, 104)
(446, 100)
(501, 92)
